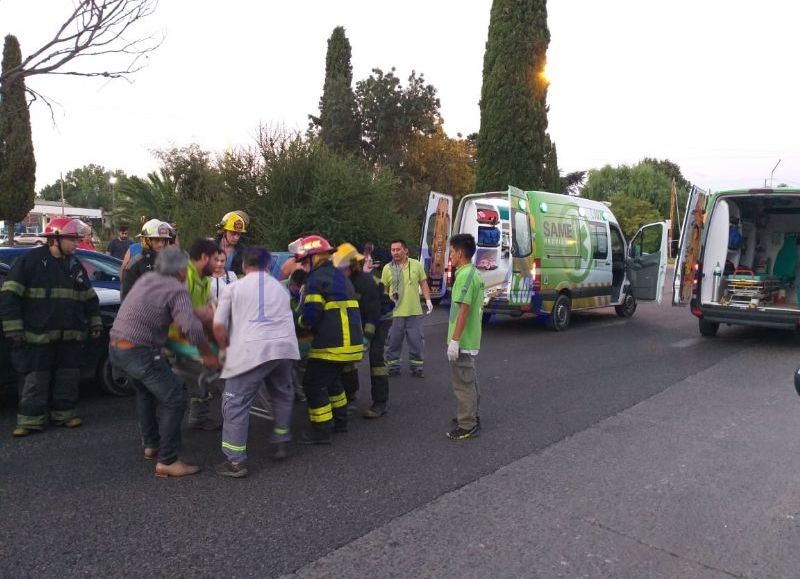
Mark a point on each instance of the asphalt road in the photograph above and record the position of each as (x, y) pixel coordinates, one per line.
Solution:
(85, 503)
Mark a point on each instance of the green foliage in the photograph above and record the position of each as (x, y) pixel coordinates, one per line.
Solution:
(513, 145)
(17, 161)
(311, 189)
(572, 183)
(142, 199)
(392, 116)
(642, 181)
(337, 123)
(87, 186)
(632, 212)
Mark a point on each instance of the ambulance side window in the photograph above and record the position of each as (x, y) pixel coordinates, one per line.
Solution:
(599, 240)
(521, 236)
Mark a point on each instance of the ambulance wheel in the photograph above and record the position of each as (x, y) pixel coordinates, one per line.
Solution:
(561, 314)
(627, 307)
(708, 329)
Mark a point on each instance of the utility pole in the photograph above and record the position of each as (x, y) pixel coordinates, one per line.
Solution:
(61, 182)
(773, 172)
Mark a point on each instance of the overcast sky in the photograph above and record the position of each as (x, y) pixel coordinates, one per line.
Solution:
(712, 85)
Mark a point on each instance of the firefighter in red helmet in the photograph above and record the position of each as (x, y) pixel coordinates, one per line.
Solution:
(48, 309)
(328, 309)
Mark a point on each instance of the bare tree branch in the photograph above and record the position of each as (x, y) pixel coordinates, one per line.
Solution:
(94, 28)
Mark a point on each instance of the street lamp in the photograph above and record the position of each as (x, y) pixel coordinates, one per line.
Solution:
(113, 181)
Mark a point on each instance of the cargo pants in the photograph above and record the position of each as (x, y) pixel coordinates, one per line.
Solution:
(240, 392)
(409, 329)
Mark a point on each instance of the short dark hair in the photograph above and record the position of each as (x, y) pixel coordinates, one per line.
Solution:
(400, 241)
(201, 247)
(298, 277)
(256, 257)
(123, 229)
(465, 242)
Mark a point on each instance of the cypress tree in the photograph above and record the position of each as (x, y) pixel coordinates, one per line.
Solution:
(513, 145)
(337, 123)
(17, 163)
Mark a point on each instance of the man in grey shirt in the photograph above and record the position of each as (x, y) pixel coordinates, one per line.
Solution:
(139, 332)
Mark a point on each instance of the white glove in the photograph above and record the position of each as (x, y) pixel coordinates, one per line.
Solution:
(452, 350)
(429, 303)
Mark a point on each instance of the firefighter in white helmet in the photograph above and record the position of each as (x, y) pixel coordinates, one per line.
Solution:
(155, 236)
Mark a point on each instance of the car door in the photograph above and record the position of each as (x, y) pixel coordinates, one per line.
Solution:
(689, 246)
(435, 243)
(647, 262)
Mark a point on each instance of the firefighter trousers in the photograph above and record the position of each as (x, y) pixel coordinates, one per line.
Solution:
(56, 364)
(326, 398)
(378, 372)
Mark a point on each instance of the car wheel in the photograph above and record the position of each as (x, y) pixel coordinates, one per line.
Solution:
(627, 307)
(561, 314)
(121, 386)
(708, 329)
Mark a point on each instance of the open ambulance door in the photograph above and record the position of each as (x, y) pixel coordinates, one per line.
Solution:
(689, 247)
(523, 269)
(435, 243)
(647, 262)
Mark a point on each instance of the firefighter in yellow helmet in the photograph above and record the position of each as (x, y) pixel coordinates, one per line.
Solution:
(330, 311)
(229, 234)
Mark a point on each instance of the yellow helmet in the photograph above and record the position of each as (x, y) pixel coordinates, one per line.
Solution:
(236, 221)
(345, 254)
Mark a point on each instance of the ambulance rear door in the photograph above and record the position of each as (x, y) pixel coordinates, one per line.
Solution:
(689, 247)
(435, 243)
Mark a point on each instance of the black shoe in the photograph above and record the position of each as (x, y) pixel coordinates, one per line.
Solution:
(394, 372)
(459, 433)
(300, 397)
(417, 374)
(231, 469)
(315, 436)
(454, 421)
(377, 410)
(280, 451)
(206, 424)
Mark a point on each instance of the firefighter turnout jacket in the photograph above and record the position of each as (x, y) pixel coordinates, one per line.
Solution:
(330, 311)
(140, 265)
(47, 299)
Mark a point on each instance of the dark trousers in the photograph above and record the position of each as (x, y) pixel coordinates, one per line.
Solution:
(57, 363)
(155, 386)
(325, 393)
(378, 372)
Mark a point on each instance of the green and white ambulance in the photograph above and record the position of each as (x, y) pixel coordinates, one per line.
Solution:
(738, 260)
(548, 255)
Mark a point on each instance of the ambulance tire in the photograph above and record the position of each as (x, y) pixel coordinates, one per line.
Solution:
(561, 314)
(708, 329)
(627, 308)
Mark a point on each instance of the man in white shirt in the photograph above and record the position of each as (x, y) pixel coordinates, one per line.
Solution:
(253, 324)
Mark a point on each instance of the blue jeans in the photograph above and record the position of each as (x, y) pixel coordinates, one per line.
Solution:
(155, 385)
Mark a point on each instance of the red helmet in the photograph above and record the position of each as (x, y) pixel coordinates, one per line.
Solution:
(66, 227)
(312, 245)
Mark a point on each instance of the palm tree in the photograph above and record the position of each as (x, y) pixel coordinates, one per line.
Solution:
(140, 199)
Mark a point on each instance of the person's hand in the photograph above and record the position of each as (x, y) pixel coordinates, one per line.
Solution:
(429, 303)
(210, 361)
(95, 334)
(452, 350)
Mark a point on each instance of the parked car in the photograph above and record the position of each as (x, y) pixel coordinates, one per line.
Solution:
(103, 270)
(29, 239)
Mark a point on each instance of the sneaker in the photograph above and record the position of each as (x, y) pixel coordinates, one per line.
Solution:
(454, 421)
(459, 433)
(315, 436)
(417, 374)
(377, 410)
(231, 469)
